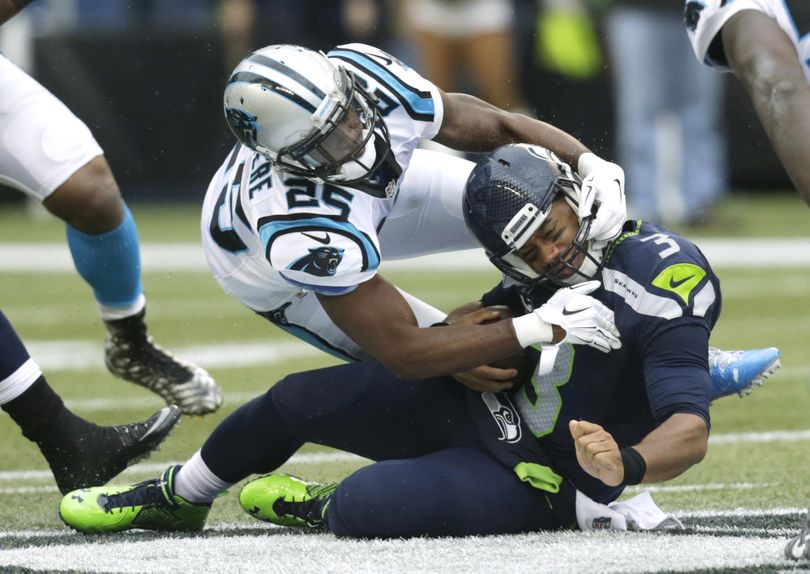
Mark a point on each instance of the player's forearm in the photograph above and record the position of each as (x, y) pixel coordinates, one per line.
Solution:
(677, 444)
(9, 8)
(420, 353)
(474, 125)
(771, 73)
(785, 113)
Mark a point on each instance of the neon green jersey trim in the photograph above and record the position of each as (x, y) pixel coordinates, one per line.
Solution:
(681, 279)
(539, 476)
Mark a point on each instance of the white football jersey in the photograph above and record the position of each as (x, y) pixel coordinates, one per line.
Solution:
(705, 18)
(270, 236)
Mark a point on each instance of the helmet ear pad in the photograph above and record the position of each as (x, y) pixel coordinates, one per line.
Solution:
(508, 195)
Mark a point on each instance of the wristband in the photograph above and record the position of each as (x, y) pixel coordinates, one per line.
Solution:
(635, 467)
(531, 329)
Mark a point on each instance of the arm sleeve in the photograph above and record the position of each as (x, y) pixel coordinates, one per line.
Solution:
(676, 370)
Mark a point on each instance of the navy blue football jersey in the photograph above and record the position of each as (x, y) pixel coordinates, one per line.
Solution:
(666, 300)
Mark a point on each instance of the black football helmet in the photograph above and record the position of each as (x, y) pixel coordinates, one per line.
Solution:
(508, 196)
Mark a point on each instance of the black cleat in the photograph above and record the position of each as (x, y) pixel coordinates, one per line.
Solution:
(89, 455)
(131, 354)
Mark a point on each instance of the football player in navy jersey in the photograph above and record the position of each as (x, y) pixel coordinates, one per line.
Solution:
(764, 42)
(594, 417)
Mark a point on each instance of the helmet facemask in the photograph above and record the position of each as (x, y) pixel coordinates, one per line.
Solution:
(511, 188)
(342, 148)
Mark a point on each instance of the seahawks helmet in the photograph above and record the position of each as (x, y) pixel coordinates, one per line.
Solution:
(507, 198)
(309, 116)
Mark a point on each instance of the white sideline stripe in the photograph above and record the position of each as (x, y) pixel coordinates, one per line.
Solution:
(716, 513)
(698, 487)
(769, 436)
(78, 355)
(55, 257)
(155, 467)
(89, 355)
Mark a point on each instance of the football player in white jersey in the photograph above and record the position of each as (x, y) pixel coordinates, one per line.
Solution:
(49, 154)
(327, 181)
(766, 44)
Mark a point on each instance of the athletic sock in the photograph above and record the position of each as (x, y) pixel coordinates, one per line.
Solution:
(196, 483)
(110, 263)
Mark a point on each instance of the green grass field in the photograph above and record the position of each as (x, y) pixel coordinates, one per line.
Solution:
(187, 310)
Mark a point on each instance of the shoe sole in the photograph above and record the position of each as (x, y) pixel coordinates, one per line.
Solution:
(760, 379)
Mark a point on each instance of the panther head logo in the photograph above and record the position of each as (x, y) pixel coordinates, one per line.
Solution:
(321, 261)
(242, 122)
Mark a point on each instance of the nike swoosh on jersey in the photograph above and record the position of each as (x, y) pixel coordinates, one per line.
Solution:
(675, 283)
(325, 240)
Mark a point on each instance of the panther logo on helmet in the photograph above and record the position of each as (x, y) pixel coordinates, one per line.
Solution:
(310, 116)
(242, 123)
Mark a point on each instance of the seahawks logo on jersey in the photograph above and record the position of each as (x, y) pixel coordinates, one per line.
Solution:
(321, 261)
(242, 122)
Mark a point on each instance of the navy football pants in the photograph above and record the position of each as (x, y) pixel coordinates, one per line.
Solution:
(435, 478)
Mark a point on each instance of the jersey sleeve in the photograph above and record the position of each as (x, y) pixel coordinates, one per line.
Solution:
(704, 19)
(676, 372)
(403, 95)
(323, 255)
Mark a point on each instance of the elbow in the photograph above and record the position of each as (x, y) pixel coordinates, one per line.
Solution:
(770, 85)
(699, 452)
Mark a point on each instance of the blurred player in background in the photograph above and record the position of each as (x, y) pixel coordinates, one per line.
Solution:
(78, 452)
(765, 43)
(549, 455)
(49, 154)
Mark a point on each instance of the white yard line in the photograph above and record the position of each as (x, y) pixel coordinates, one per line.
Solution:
(55, 257)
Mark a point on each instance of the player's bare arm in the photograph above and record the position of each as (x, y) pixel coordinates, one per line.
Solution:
(771, 74)
(379, 319)
(668, 451)
(471, 124)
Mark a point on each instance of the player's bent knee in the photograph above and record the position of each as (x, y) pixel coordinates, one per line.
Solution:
(89, 200)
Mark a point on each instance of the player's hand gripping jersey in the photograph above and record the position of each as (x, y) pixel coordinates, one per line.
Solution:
(666, 299)
(273, 239)
(705, 18)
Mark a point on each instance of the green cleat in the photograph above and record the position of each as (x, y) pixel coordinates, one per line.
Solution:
(149, 505)
(287, 500)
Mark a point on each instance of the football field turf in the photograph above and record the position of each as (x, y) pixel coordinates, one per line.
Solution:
(738, 505)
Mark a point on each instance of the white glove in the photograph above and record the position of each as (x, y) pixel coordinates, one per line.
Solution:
(603, 184)
(585, 320)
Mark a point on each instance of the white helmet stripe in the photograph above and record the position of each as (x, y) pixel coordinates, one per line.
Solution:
(287, 71)
(253, 78)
